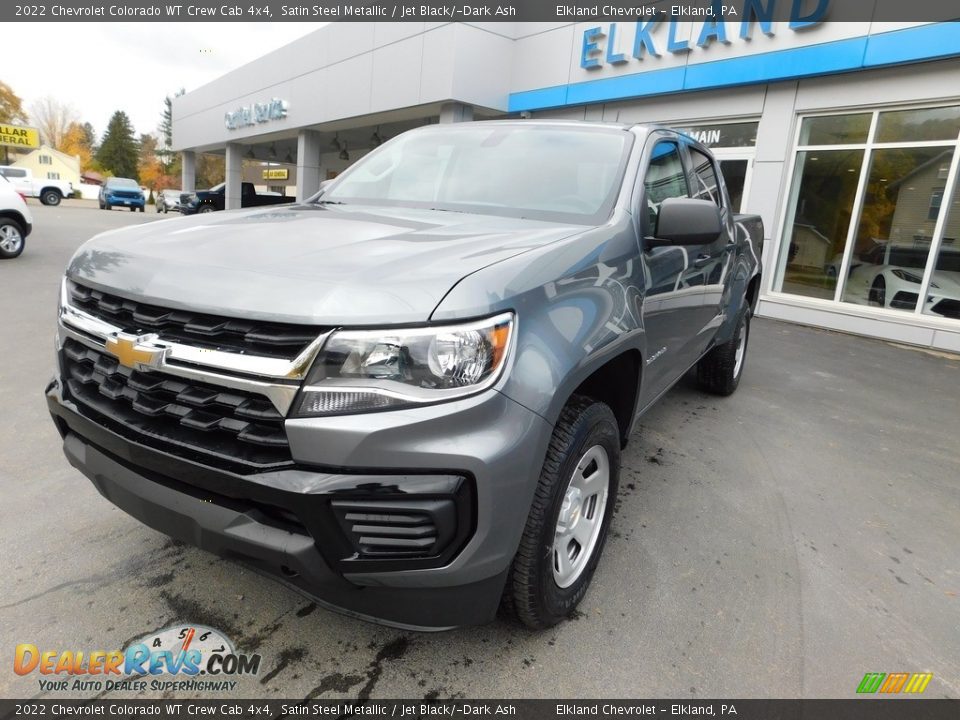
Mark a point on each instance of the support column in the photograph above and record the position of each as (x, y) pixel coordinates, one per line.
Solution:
(188, 171)
(234, 177)
(454, 112)
(308, 164)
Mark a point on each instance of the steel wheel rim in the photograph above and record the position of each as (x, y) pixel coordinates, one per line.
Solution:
(10, 239)
(581, 516)
(741, 350)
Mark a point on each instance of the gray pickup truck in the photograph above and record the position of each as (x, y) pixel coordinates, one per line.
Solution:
(407, 397)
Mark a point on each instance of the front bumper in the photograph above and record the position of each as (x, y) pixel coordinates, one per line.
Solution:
(118, 201)
(495, 445)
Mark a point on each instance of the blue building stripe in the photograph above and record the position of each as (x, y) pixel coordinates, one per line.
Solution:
(916, 44)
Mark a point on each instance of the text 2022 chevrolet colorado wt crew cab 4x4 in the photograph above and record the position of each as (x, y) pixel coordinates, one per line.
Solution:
(407, 397)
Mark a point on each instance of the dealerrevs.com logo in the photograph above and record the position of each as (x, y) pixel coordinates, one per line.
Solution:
(199, 658)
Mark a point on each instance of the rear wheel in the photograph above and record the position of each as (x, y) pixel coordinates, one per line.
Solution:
(569, 517)
(12, 240)
(51, 197)
(719, 371)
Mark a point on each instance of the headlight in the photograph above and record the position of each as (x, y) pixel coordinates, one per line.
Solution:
(365, 370)
(906, 275)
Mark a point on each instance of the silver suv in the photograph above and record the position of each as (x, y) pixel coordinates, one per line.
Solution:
(407, 396)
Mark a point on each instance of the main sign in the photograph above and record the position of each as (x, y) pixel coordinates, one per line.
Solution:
(23, 137)
(248, 115)
(614, 44)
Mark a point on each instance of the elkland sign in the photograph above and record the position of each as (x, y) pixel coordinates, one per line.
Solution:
(612, 44)
(249, 115)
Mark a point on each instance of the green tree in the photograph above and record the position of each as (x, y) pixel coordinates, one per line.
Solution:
(119, 152)
(11, 106)
(165, 153)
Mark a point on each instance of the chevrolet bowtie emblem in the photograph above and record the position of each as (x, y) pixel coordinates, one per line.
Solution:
(136, 351)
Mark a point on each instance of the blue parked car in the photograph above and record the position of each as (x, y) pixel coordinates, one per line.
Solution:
(122, 192)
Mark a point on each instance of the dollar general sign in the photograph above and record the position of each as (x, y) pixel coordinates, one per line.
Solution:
(25, 137)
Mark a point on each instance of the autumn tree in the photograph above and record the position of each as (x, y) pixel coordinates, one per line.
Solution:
(118, 154)
(11, 106)
(152, 171)
(78, 141)
(53, 118)
(211, 169)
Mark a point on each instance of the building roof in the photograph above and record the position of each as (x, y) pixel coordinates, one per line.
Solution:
(47, 149)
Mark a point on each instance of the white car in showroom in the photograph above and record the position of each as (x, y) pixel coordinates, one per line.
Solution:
(890, 275)
(16, 222)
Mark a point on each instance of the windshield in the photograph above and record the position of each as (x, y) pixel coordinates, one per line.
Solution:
(564, 174)
(124, 183)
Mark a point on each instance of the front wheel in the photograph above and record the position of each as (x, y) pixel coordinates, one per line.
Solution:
(11, 239)
(878, 292)
(719, 371)
(51, 197)
(569, 517)
(206, 208)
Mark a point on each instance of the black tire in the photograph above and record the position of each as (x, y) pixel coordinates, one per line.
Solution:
(51, 197)
(133, 209)
(206, 208)
(718, 371)
(108, 206)
(143, 209)
(11, 233)
(101, 206)
(878, 292)
(532, 593)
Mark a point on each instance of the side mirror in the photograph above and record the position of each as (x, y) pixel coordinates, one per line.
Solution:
(684, 221)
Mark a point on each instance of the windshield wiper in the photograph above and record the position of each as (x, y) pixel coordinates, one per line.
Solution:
(329, 202)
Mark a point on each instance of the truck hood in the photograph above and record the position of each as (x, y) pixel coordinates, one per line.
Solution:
(317, 264)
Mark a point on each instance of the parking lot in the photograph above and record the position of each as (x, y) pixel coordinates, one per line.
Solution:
(781, 542)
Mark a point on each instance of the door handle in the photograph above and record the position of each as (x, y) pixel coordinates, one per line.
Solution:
(702, 261)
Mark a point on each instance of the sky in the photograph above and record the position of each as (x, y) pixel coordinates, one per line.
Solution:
(99, 68)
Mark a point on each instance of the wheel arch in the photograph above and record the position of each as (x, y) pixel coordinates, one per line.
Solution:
(615, 381)
(16, 217)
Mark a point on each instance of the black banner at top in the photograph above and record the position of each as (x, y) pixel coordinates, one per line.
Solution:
(410, 709)
(798, 12)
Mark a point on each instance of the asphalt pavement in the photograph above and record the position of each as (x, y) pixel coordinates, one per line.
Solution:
(778, 543)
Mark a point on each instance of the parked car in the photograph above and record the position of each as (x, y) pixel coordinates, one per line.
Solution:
(122, 192)
(204, 201)
(16, 221)
(49, 192)
(168, 200)
(408, 396)
(890, 275)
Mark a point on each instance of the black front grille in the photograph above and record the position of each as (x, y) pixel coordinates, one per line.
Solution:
(282, 340)
(214, 425)
(397, 528)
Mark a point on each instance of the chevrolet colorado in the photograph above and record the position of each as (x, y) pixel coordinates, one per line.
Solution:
(407, 397)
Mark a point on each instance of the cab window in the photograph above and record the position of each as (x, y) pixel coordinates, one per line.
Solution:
(705, 176)
(664, 179)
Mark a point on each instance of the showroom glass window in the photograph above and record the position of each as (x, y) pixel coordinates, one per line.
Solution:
(867, 217)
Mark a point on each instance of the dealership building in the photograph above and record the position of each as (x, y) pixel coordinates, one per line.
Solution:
(843, 136)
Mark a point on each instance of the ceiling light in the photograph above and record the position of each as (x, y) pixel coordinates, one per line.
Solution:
(289, 158)
(273, 150)
(375, 139)
(344, 155)
(250, 155)
(335, 143)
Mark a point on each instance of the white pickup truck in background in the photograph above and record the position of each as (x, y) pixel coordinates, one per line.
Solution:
(50, 192)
